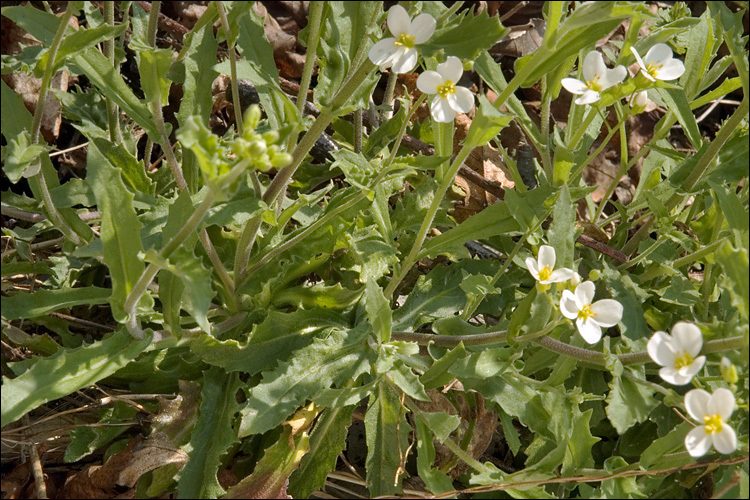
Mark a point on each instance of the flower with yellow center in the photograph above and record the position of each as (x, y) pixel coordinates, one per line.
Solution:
(659, 63)
(590, 317)
(450, 98)
(542, 268)
(711, 410)
(678, 353)
(596, 78)
(398, 52)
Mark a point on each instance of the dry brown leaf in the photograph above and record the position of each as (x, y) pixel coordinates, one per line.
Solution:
(157, 450)
(471, 412)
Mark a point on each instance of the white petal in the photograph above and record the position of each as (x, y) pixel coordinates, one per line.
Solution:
(688, 372)
(429, 81)
(659, 54)
(673, 376)
(568, 305)
(671, 70)
(589, 97)
(613, 76)
(687, 337)
(532, 267)
(726, 440)
(638, 58)
(547, 256)
(608, 312)
(405, 61)
(589, 330)
(659, 347)
(593, 65)
(574, 86)
(722, 402)
(696, 403)
(383, 52)
(462, 101)
(585, 293)
(398, 20)
(422, 28)
(560, 275)
(451, 69)
(441, 111)
(697, 442)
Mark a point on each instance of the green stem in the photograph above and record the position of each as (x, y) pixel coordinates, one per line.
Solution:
(53, 214)
(582, 128)
(390, 89)
(452, 10)
(692, 257)
(313, 37)
(232, 65)
(445, 184)
(544, 129)
(623, 161)
(411, 259)
(113, 114)
(443, 145)
(347, 205)
(700, 169)
(250, 231)
(153, 23)
(574, 175)
(586, 355)
(279, 249)
(131, 301)
(357, 121)
(707, 286)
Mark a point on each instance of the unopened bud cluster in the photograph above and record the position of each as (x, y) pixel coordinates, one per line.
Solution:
(260, 149)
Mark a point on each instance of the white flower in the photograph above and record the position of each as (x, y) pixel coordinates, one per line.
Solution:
(677, 353)
(590, 318)
(398, 51)
(449, 99)
(541, 269)
(659, 63)
(597, 77)
(711, 411)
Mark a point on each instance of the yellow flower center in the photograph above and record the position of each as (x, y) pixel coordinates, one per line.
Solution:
(405, 40)
(586, 312)
(712, 423)
(653, 69)
(683, 359)
(594, 84)
(544, 273)
(447, 88)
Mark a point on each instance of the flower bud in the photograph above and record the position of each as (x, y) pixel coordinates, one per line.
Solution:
(271, 136)
(257, 149)
(728, 371)
(252, 116)
(281, 160)
(594, 275)
(639, 101)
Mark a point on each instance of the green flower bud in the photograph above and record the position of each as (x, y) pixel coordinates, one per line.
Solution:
(594, 274)
(271, 136)
(252, 117)
(257, 149)
(728, 371)
(281, 160)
